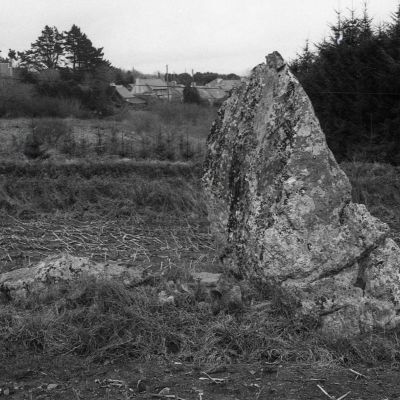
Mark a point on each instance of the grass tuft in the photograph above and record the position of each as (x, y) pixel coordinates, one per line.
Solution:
(103, 319)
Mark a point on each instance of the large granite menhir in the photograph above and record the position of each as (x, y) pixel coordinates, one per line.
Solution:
(280, 207)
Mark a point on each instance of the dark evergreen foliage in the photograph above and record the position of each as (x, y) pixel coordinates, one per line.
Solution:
(191, 95)
(80, 53)
(201, 78)
(353, 80)
(46, 52)
(67, 66)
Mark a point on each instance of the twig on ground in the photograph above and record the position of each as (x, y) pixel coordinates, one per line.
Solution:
(332, 397)
(217, 381)
(345, 395)
(358, 374)
(325, 392)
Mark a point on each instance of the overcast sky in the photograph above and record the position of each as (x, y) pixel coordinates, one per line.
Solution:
(204, 35)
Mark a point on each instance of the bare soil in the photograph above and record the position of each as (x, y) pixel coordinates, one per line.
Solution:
(29, 376)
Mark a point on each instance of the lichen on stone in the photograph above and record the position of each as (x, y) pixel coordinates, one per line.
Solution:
(280, 208)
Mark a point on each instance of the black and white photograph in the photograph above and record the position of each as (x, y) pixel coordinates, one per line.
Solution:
(200, 199)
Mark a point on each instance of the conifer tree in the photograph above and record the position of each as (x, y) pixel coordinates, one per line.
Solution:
(45, 53)
(80, 53)
(350, 78)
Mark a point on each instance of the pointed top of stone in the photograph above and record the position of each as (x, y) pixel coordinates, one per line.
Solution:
(275, 60)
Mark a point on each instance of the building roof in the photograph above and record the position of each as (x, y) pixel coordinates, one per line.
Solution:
(224, 84)
(148, 85)
(123, 92)
(210, 93)
(153, 82)
(128, 96)
(136, 100)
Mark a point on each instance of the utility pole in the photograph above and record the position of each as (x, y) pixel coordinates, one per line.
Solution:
(167, 78)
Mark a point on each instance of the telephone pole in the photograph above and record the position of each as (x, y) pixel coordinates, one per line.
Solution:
(167, 79)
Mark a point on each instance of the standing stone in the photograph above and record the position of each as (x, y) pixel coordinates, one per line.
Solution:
(280, 208)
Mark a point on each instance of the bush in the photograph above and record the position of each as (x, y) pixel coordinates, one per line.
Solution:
(44, 106)
(16, 99)
(21, 100)
(172, 131)
(46, 134)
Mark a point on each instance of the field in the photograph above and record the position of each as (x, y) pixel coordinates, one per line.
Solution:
(167, 131)
(149, 211)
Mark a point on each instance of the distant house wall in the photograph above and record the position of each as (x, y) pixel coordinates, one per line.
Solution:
(6, 70)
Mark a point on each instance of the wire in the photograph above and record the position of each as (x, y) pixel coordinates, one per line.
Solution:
(103, 80)
(360, 93)
(5, 78)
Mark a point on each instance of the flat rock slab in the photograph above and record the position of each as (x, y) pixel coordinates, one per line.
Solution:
(61, 268)
(16, 285)
(208, 279)
(280, 208)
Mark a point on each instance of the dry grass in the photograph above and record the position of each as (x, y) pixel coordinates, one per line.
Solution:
(378, 187)
(113, 189)
(98, 319)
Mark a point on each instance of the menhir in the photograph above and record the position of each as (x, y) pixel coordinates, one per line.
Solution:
(280, 206)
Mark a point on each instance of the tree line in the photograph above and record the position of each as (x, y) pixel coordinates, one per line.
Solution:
(353, 80)
(63, 74)
(70, 50)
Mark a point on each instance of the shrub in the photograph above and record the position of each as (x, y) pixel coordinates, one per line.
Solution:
(15, 98)
(44, 106)
(47, 133)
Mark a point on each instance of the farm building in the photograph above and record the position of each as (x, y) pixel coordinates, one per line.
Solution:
(159, 88)
(6, 70)
(216, 91)
(122, 96)
(211, 95)
(225, 84)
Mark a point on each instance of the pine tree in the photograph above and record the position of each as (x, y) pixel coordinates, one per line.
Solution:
(191, 95)
(303, 63)
(80, 52)
(45, 53)
(352, 80)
